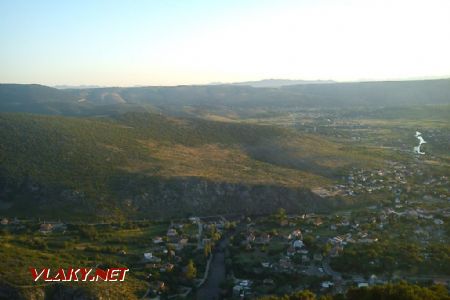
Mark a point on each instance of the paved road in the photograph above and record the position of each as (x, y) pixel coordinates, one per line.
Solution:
(200, 232)
(329, 271)
(211, 289)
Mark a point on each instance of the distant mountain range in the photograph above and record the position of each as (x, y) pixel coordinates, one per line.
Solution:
(100, 101)
(274, 83)
(63, 87)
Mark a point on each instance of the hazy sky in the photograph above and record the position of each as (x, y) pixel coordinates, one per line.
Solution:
(182, 42)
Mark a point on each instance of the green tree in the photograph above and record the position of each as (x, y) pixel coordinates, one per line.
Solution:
(281, 214)
(216, 236)
(191, 270)
(303, 295)
(310, 242)
(207, 249)
(327, 297)
(326, 248)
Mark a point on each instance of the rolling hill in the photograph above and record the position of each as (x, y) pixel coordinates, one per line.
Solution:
(175, 100)
(141, 164)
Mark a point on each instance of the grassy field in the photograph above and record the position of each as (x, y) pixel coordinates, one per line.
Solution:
(29, 248)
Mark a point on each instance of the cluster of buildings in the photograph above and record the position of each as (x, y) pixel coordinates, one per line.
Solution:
(331, 235)
(165, 254)
(395, 178)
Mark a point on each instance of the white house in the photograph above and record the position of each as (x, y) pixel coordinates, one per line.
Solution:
(298, 244)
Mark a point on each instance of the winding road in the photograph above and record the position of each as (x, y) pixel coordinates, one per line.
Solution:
(217, 274)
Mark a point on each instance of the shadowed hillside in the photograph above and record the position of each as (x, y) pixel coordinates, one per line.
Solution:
(139, 164)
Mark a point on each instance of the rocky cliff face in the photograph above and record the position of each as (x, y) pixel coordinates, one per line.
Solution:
(163, 198)
(192, 196)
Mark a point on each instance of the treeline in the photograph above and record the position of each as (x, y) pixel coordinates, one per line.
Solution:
(383, 257)
(399, 291)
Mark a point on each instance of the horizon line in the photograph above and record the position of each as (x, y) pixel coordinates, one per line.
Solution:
(307, 81)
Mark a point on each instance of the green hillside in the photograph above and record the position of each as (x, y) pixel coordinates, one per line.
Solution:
(106, 166)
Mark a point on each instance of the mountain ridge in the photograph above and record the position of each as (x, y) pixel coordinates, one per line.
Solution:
(111, 100)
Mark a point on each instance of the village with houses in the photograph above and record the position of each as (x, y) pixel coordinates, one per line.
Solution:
(272, 254)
